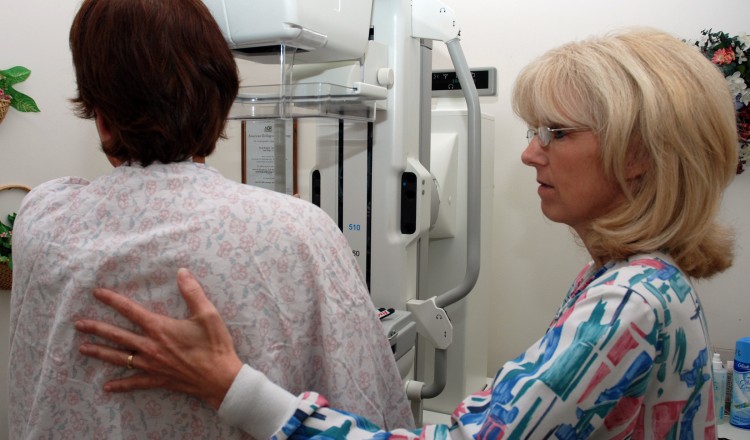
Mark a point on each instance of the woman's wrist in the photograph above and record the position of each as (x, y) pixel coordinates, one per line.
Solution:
(226, 377)
(256, 405)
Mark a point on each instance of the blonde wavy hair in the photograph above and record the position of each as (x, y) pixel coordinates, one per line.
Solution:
(657, 106)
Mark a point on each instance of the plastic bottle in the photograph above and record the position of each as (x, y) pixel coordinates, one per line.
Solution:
(739, 410)
(730, 382)
(720, 387)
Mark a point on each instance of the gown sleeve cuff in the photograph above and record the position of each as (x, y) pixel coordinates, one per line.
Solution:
(256, 405)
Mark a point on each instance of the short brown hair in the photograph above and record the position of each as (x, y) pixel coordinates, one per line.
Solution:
(158, 72)
(650, 98)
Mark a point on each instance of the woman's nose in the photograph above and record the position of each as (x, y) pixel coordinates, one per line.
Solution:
(533, 154)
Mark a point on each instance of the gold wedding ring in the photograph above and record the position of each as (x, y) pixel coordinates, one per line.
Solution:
(130, 360)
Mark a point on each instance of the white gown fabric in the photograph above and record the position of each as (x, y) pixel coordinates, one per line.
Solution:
(278, 269)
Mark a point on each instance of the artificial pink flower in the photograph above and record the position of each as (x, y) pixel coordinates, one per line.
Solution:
(723, 56)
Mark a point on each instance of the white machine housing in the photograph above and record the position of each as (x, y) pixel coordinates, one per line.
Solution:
(334, 30)
(378, 48)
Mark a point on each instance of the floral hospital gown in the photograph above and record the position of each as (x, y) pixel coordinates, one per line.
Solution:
(626, 357)
(278, 269)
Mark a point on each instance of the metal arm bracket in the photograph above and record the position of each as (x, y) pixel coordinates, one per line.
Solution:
(432, 322)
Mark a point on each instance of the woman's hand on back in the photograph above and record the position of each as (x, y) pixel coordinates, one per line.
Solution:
(194, 356)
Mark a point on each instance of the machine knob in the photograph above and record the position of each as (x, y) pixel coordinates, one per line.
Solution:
(385, 77)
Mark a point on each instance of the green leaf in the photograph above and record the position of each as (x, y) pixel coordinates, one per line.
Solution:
(15, 75)
(21, 102)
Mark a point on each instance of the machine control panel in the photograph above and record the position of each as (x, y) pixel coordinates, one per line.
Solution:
(445, 82)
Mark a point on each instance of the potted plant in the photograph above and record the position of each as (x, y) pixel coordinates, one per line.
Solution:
(6, 258)
(731, 54)
(9, 96)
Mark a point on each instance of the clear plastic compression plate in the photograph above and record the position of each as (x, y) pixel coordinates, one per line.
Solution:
(304, 100)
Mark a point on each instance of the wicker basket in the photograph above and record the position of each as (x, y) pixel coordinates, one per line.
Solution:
(4, 106)
(6, 275)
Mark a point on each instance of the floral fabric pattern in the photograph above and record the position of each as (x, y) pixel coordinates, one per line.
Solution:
(277, 268)
(626, 357)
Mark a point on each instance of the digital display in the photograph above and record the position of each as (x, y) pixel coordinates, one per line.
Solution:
(449, 80)
(446, 83)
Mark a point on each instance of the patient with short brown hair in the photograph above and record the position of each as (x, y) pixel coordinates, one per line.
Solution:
(158, 79)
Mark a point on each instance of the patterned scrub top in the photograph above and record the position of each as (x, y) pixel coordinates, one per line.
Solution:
(626, 357)
(278, 269)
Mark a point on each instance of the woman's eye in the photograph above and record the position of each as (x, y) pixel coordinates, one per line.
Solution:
(558, 134)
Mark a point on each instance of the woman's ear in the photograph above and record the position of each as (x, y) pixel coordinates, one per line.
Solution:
(105, 136)
(637, 163)
(636, 168)
(101, 126)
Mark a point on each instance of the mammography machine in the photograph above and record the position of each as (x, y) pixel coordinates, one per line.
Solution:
(345, 88)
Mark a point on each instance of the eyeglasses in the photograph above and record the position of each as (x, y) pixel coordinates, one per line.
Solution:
(546, 134)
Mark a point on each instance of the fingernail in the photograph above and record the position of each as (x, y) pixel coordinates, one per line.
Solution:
(184, 273)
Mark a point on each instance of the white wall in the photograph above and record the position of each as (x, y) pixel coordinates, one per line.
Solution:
(535, 259)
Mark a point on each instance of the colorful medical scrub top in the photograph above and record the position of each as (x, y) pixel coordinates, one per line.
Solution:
(626, 356)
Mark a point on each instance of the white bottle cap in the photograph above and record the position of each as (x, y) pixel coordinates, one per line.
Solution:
(717, 362)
